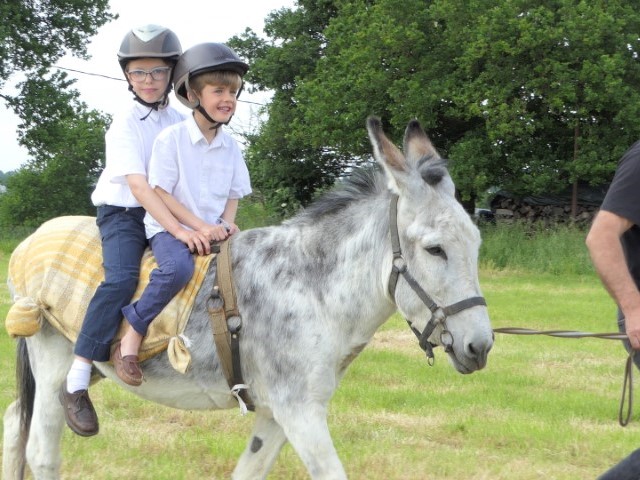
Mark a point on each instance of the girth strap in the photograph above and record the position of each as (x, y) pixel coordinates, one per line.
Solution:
(226, 323)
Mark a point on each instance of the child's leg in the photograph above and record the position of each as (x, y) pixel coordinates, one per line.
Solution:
(175, 269)
(123, 243)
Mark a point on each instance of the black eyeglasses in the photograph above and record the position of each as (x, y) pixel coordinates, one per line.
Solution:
(159, 73)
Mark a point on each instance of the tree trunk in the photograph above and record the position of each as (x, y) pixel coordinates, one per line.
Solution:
(574, 192)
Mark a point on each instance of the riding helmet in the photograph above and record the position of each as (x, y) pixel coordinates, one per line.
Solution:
(201, 58)
(149, 41)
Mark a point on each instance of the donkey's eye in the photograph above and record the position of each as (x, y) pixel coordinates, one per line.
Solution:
(437, 251)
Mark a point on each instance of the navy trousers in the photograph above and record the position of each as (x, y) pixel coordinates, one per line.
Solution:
(123, 243)
(175, 268)
(627, 469)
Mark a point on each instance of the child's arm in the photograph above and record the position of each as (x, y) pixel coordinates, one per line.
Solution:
(186, 217)
(229, 214)
(153, 204)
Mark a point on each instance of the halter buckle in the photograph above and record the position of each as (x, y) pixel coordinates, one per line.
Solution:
(399, 263)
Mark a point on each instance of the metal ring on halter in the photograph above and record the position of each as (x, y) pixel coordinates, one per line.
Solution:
(399, 263)
(446, 340)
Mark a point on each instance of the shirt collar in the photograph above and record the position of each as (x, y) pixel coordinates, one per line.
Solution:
(195, 135)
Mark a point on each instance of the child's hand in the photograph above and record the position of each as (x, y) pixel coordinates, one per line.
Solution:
(214, 233)
(231, 228)
(195, 240)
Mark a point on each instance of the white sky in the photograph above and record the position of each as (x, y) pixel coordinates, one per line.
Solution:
(194, 21)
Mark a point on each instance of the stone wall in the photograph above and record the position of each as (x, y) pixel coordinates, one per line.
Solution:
(507, 210)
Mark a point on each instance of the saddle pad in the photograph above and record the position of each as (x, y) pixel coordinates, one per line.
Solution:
(55, 271)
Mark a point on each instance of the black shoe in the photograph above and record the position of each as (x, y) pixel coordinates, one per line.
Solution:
(78, 411)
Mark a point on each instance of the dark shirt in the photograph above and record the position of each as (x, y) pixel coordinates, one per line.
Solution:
(623, 199)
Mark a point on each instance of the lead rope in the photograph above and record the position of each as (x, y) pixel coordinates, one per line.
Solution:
(627, 382)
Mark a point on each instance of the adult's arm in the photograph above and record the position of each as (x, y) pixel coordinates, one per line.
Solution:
(607, 255)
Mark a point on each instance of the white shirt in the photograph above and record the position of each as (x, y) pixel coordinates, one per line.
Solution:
(129, 141)
(199, 175)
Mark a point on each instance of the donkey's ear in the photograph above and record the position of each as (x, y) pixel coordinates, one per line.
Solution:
(384, 151)
(387, 155)
(417, 146)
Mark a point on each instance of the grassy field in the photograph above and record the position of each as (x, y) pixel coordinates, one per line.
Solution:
(544, 408)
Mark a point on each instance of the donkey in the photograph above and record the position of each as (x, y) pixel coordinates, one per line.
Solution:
(311, 293)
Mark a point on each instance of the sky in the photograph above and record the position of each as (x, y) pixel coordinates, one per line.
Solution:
(193, 21)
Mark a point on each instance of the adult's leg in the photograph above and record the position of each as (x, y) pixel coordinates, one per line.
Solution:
(627, 469)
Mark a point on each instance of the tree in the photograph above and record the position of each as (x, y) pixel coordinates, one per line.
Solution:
(530, 96)
(66, 142)
(64, 138)
(35, 34)
(556, 84)
(283, 165)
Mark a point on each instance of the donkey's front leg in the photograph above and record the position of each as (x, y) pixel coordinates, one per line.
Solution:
(262, 450)
(306, 429)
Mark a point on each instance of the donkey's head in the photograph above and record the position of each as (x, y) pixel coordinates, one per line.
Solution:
(434, 279)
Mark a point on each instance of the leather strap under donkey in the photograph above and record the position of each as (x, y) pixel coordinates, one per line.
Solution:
(226, 324)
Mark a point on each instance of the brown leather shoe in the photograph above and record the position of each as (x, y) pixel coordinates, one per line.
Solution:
(127, 367)
(79, 413)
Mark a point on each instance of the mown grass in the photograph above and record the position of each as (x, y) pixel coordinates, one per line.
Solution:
(544, 407)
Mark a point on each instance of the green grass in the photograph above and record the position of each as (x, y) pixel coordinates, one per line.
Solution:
(535, 249)
(544, 407)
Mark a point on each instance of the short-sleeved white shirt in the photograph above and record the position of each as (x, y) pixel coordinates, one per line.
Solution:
(129, 141)
(199, 175)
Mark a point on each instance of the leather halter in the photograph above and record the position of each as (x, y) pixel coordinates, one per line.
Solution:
(438, 314)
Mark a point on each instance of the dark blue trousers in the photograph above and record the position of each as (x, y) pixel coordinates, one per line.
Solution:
(627, 469)
(123, 243)
(175, 268)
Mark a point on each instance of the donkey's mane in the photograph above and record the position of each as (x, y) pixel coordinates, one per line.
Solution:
(361, 184)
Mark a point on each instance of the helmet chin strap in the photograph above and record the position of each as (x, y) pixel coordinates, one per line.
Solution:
(152, 105)
(214, 125)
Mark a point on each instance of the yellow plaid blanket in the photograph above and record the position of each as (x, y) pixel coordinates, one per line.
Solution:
(55, 272)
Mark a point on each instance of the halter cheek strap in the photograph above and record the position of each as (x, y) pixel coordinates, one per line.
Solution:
(438, 314)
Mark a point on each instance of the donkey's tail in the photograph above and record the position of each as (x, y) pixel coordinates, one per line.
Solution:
(17, 418)
(26, 385)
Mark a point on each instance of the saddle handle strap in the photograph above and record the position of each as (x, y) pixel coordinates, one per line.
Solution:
(226, 322)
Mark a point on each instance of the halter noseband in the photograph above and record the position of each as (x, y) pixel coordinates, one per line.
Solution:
(438, 314)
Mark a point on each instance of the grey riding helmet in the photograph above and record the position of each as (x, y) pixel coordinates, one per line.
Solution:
(150, 41)
(201, 58)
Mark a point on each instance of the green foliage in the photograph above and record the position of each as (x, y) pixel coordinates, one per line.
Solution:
(284, 166)
(66, 142)
(4, 176)
(63, 137)
(37, 34)
(527, 96)
(550, 81)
